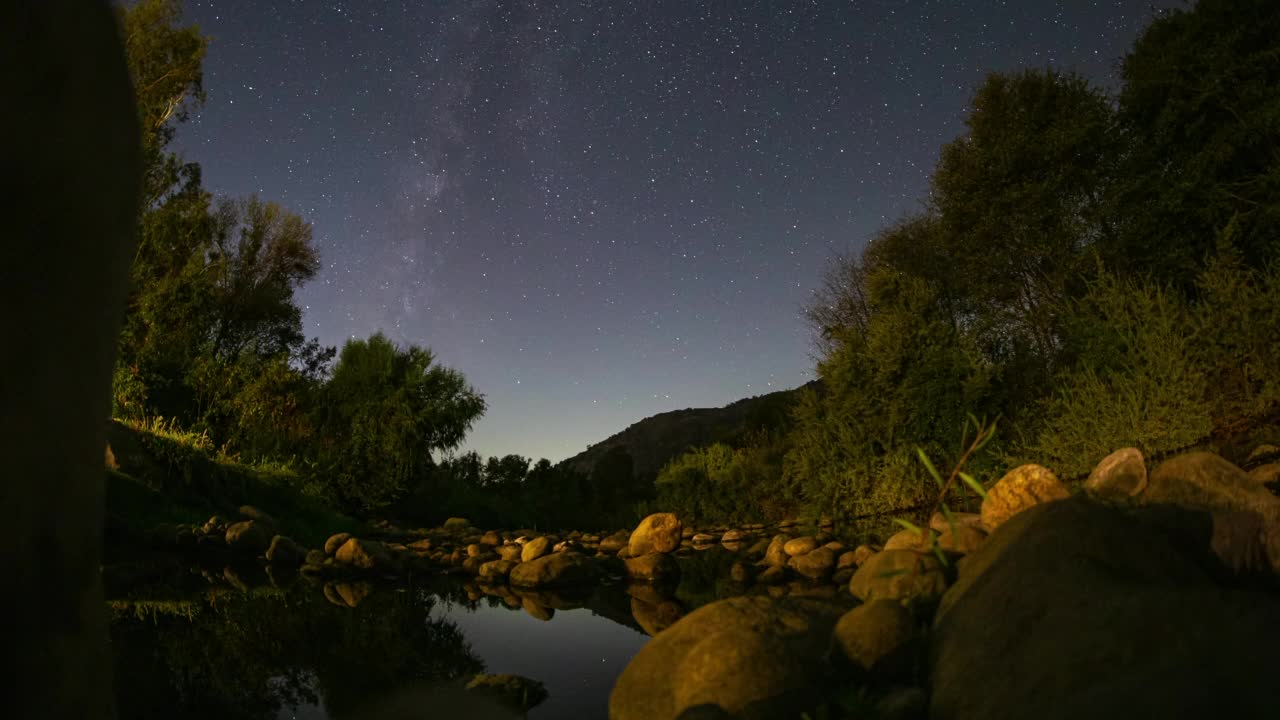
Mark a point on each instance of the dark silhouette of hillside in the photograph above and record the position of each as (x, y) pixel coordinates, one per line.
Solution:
(655, 440)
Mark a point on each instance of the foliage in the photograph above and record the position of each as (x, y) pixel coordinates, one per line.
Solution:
(722, 484)
(381, 415)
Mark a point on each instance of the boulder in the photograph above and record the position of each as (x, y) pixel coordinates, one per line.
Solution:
(800, 546)
(816, 565)
(1088, 611)
(732, 536)
(215, 524)
(615, 542)
(511, 552)
(316, 557)
(284, 552)
(654, 616)
(660, 532)
(535, 549)
(249, 512)
(703, 539)
(876, 641)
(847, 560)
(335, 541)
(1268, 474)
(750, 657)
(352, 593)
(772, 575)
(456, 524)
(654, 567)
(941, 523)
(899, 575)
(908, 539)
(863, 553)
(363, 554)
(536, 609)
(554, 570)
(1022, 487)
(492, 538)
(247, 536)
(495, 571)
(776, 553)
(1122, 474)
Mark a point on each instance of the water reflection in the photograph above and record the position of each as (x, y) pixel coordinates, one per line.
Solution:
(231, 643)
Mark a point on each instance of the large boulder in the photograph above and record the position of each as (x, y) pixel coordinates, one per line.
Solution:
(800, 546)
(904, 575)
(1086, 611)
(248, 536)
(749, 657)
(284, 552)
(535, 549)
(776, 553)
(815, 565)
(363, 554)
(654, 567)
(660, 532)
(335, 541)
(876, 641)
(566, 568)
(1122, 474)
(1022, 487)
(615, 542)
(495, 571)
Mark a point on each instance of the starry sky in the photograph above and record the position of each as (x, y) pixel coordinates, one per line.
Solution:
(598, 211)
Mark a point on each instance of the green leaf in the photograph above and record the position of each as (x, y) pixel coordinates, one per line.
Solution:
(910, 526)
(928, 465)
(974, 485)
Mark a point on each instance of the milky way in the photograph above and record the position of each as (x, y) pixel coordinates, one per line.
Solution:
(600, 211)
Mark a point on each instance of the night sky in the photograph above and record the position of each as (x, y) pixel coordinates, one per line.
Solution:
(599, 211)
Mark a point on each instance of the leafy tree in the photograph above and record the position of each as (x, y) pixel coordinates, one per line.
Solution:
(1201, 119)
(382, 414)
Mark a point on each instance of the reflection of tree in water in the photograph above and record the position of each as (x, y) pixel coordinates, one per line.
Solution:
(249, 655)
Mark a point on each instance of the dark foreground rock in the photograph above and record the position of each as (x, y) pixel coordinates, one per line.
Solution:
(1076, 610)
(751, 657)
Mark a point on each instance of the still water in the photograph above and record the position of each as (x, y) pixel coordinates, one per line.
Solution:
(219, 643)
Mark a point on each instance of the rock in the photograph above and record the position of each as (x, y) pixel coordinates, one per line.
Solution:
(908, 539)
(456, 524)
(472, 564)
(863, 553)
(847, 560)
(753, 657)
(215, 524)
(788, 523)
(511, 552)
(249, 512)
(1268, 474)
(536, 609)
(741, 573)
(535, 549)
(512, 691)
(772, 575)
(316, 557)
(1263, 453)
(758, 549)
(1089, 611)
(655, 616)
(247, 536)
(554, 570)
(835, 546)
(352, 593)
(476, 550)
(816, 565)
(495, 571)
(800, 546)
(284, 552)
(660, 532)
(1022, 487)
(939, 521)
(776, 553)
(363, 554)
(703, 539)
(654, 567)
(963, 539)
(842, 577)
(899, 575)
(334, 542)
(491, 538)
(733, 536)
(615, 542)
(876, 640)
(1122, 474)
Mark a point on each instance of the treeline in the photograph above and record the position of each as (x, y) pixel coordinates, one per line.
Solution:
(213, 345)
(1096, 270)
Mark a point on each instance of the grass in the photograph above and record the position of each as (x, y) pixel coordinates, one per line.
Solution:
(168, 477)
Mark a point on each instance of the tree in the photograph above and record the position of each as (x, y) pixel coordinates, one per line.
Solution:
(261, 255)
(381, 415)
(1201, 119)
